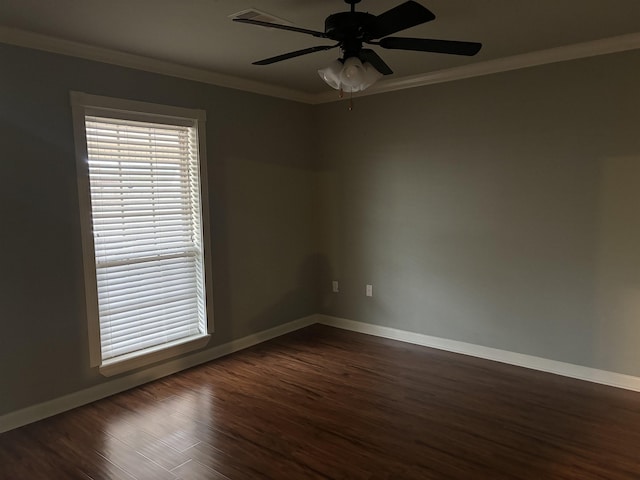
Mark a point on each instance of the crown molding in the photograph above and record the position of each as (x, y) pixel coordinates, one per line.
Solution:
(594, 48)
(23, 38)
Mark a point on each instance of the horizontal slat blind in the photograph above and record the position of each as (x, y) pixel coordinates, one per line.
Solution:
(145, 204)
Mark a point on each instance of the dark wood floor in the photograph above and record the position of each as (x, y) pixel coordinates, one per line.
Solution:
(325, 403)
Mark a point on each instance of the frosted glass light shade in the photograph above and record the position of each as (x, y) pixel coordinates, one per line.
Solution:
(331, 74)
(371, 76)
(350, 76)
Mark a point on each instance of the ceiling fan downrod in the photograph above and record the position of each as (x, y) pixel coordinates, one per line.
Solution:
(352, 3)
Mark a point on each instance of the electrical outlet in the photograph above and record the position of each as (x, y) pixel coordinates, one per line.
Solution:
(334, 286)
(369, 291)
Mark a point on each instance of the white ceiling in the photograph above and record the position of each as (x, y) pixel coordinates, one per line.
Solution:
(200, 34)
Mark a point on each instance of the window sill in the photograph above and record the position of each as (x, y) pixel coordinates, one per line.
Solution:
(152, 355)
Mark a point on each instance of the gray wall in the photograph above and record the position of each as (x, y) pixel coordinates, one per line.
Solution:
(261, 214)
(501, 210)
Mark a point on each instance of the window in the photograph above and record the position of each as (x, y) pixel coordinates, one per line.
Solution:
(143, 196)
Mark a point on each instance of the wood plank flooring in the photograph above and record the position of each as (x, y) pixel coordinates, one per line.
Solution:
(323, 403)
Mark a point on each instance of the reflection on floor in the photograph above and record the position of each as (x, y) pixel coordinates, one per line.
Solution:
(326, 403)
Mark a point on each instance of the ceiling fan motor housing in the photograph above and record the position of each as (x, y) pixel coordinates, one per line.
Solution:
(350, 29)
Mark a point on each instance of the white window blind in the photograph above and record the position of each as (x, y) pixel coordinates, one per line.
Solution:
(144, 186)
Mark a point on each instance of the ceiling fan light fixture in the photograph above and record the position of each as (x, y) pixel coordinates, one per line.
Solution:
(350, 76)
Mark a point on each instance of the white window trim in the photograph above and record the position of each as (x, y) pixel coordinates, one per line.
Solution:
(83, 104)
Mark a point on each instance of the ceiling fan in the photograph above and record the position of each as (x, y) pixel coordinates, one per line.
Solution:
(359, 67)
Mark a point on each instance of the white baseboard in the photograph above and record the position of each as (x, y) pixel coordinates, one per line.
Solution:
(62, 404)
(579, 372)
(111, 387)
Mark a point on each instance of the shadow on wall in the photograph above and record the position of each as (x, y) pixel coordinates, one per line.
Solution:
(43, 311)
(618, 265)
(303, 300)
(263, 244)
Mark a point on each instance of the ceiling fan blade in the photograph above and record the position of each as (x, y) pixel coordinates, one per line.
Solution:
(429, 45)
(297, 53)
(368, 55)
(405, 15)
(281, 27)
